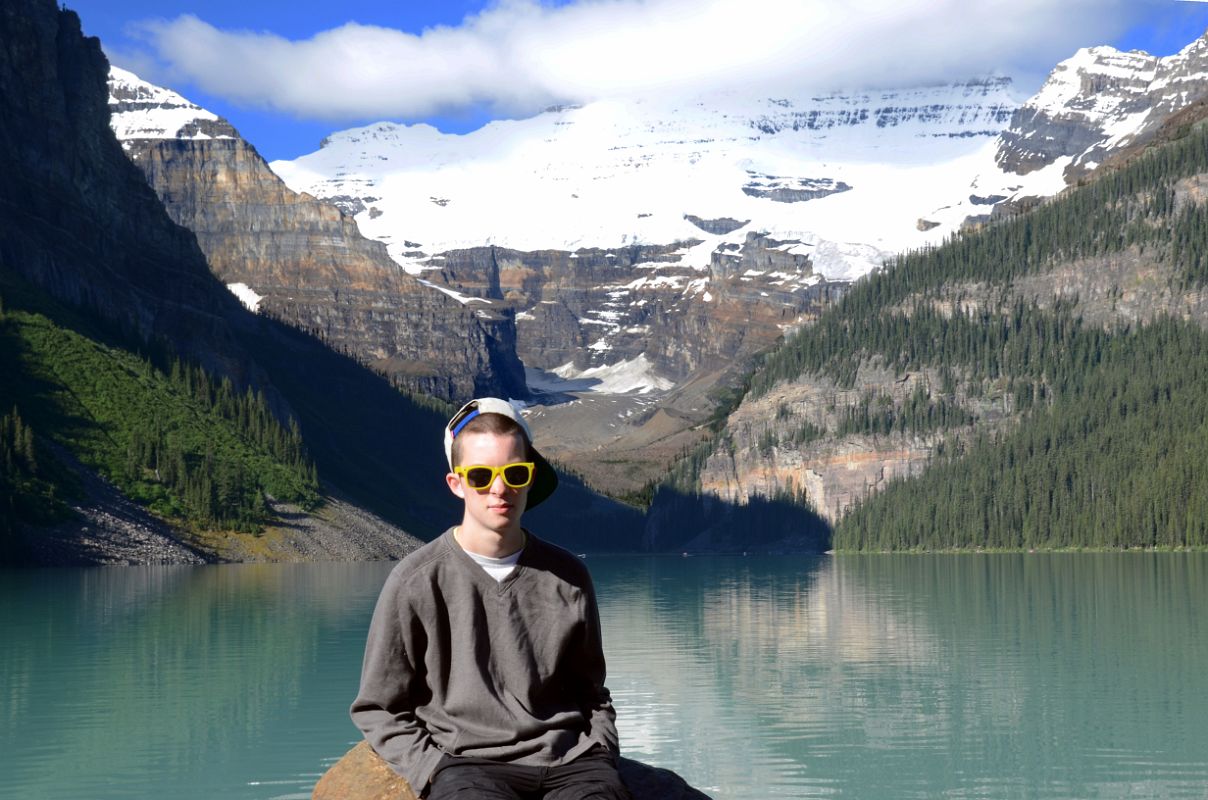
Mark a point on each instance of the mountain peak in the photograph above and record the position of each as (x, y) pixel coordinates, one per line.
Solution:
(140, 111)
(624, 171)
(1100, 99)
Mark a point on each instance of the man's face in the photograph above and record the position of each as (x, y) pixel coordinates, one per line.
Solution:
(498, 507)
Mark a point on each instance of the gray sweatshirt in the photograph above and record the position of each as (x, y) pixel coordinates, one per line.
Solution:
(458, 663)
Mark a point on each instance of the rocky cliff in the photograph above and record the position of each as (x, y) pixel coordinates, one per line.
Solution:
(796, 441)
(1099, 101)
(77, 218)
(788, 444)
(584, 310)
(303, 261)
(967, 109)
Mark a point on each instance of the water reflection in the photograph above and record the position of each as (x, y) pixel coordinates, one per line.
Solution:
(915, 676)
(125, 682)
(1054, 676)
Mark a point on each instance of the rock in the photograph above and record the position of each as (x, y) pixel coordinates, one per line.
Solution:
(719, 226)
(78, 219)
(1099, 101)
(362, 775)
(598, 307)
(307, 260)
(782, 189)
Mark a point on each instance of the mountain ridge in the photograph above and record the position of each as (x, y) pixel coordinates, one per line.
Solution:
(946, 402)
(80, 226)
(302, 260)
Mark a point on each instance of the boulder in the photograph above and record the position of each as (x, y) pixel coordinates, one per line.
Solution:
(362, 775)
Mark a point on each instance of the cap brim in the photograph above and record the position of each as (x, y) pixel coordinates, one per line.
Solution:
(545, 481)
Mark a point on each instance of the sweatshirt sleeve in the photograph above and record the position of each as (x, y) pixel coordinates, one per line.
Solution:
(602, 717)
(391, 684)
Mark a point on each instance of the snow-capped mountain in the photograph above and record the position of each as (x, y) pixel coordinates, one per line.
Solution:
(849, 175)
(690, 234)
(853, 176)
(693, 232)
(302, 260)
(837, 181)
(1099, 100)
(139, 110)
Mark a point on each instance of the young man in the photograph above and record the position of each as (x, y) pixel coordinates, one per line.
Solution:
(484, 670)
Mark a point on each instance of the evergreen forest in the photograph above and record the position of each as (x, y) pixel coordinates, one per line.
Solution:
(1105, 445)
(165, 432)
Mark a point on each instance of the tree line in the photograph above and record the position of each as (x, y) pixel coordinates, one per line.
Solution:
(165, 431)
(1105, 442)
(1134, 206)
(217, 488)
(1117, 459)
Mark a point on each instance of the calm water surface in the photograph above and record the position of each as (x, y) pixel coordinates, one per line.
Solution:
(1004, 676)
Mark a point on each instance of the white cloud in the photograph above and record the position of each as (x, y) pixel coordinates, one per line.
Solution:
(519, 56)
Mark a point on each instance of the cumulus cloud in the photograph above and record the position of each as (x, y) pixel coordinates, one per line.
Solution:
(519, 56)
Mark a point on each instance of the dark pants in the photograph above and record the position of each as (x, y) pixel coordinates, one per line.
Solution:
(591, 776)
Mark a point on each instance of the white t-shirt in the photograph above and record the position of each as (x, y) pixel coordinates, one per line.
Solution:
(497, 568)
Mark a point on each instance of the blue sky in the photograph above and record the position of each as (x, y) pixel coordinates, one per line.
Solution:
(288, 73)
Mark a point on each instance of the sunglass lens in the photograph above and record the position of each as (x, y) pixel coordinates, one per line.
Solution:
(517, 475)
(479, 477)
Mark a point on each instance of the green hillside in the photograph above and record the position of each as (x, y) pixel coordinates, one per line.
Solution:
(167, 434)
(1105, 441)
(1116, 457)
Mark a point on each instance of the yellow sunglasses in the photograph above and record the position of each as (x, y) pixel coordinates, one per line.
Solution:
(480, 477)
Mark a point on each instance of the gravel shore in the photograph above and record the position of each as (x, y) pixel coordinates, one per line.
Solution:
(111, 529)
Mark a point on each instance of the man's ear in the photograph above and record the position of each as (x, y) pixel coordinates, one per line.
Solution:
(454, 484)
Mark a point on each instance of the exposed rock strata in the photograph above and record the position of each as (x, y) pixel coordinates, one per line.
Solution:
(792, 190)
(719, 227)
(761, 459)
(78, 220)
(763, 454)
(596, 307)
(1099, 101)
(310, 264)
(973, 103)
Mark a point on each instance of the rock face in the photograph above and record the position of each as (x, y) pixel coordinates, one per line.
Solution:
(362, 775)
(1099, 100)
(78, 219)
(595, 307)
(304, 261)
(767, 455)
(718, 227)
(792, 190)
(977, 107)
(613, 229)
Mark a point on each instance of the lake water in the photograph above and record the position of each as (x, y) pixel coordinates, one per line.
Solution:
(974, 676)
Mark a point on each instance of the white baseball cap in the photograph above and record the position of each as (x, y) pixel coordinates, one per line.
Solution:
(545, 480)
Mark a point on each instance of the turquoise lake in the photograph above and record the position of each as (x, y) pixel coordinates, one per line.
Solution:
(956, 676)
